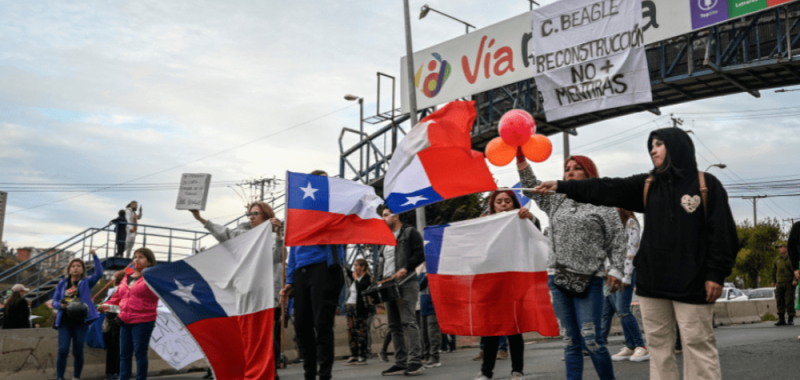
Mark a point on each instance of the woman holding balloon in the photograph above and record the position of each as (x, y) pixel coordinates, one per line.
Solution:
(583, 235)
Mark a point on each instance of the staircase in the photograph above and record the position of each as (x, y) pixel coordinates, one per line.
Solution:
(42, 273)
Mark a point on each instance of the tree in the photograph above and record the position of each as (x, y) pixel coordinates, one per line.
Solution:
(758, 251)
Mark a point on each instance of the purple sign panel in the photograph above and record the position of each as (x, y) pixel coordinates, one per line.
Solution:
(708, 12)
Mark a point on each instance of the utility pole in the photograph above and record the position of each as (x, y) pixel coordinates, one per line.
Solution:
(675, 121)
(260, 183)
(566, 146)
(754, 199)
(412, 94)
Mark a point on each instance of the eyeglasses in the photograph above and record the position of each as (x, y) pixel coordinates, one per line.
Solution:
(252, 214)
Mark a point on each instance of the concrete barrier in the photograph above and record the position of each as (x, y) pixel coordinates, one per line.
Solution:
(766, 306)
(743, 312)
(721, 317)
(31, 354)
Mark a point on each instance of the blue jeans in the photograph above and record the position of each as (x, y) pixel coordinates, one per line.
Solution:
(503, 343)
(77, 334)
(134, 339)
(580, 326)
(620, 303)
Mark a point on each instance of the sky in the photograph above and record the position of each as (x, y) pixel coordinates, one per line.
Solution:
(102, 92)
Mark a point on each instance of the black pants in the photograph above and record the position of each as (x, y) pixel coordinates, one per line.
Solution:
(276, 338)
(111, 339)
(387, 340)
(316, 296)
(448, 342)
(120, 249)
(516, 348)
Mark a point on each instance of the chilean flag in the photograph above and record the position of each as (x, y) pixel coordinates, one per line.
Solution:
(325, 210)
(523, 200)
(435, 161)
(488, 277)
(223, 296)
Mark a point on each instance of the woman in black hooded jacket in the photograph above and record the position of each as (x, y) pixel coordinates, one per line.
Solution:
(688, 248)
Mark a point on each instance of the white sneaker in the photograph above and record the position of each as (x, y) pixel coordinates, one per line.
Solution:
(623, 355)
(482, 377)
(640, 354)
(516, 375)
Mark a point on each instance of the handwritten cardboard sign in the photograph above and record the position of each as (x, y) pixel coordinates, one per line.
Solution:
(193, 192)
(172, 341)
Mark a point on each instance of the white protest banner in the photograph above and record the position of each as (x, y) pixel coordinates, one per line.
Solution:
(193, 192)
(172, 341)
(590, 56)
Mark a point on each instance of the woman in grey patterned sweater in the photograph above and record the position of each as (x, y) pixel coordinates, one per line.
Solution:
(583, 236)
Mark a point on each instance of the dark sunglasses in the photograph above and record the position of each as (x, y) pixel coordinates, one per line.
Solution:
(249, 214)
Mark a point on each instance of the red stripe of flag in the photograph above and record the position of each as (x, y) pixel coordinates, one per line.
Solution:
(238, 347)
(493, 304)
(309, 227)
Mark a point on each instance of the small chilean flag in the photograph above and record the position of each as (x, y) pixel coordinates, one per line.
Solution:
(223, 296)
(488, 277)
(325, 210)
(435, 161)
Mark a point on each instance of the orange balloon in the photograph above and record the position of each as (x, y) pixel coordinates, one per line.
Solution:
(499, 153)
(538, 148)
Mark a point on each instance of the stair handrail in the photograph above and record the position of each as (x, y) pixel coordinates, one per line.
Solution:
(45, 257)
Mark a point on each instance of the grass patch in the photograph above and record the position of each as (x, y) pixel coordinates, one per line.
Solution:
(769, 317)
(48, 316)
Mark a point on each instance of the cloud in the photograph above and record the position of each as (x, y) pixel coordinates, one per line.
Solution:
(108, 92)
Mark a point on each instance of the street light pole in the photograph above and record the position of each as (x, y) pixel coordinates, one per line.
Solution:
(360, 130)
(425, 9)
(412, 94)
(721, 166)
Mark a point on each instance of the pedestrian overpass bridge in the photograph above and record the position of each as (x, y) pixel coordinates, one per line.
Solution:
(746, 55)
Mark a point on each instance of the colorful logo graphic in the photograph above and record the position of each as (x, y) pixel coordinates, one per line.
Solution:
(435, 80)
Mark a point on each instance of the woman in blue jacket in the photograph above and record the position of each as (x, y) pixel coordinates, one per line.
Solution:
(73, 319)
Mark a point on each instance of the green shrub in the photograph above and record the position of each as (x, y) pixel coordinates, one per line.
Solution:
(48, 315)
(769, 317)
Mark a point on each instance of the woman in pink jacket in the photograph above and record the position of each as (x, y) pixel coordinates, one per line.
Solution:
(137, 311)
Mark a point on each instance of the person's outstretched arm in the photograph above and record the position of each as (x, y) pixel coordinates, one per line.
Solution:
(528, 180)
(98, 270)
(627, 193)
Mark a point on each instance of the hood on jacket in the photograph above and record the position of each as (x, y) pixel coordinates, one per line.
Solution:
(497, 192)
(680, 152)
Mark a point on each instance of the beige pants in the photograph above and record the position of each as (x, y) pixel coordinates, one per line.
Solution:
(700, 356)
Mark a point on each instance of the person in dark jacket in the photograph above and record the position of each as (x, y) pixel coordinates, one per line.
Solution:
(399, 263)
(111, 330)
(121, 228)
(314, 275)
(687, 250)
(358, 313)
(16, 309)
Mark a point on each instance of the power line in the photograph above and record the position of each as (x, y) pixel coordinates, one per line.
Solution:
(191, 162)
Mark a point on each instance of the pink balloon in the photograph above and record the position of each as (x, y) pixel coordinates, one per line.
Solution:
(516, 127)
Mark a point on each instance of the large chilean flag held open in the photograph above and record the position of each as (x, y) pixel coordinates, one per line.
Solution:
(488, 277)
(435, 161)
(325, 210)
(223, 296)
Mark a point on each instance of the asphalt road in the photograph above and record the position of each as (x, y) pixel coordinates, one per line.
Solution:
(755, 351)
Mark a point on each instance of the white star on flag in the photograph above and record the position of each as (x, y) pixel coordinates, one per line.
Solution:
(414, 200)
(309, 191)
(185, 293)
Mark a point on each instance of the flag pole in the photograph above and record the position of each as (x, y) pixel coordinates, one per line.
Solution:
(284, 312)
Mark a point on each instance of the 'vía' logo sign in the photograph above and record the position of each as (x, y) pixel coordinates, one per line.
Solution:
(435, 80)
